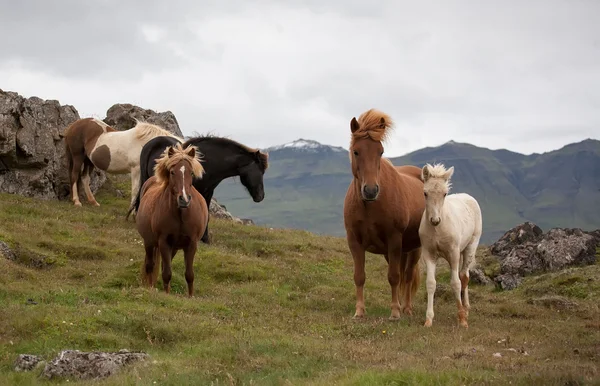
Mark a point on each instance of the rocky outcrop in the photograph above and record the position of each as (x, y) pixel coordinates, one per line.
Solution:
(123, 116)
(81, 365)
(32, 150)
(526, 250)
(220, 211)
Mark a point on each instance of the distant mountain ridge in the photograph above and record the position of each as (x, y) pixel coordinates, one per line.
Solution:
(306, 183)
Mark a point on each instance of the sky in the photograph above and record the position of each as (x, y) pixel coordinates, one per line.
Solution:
(520, 75)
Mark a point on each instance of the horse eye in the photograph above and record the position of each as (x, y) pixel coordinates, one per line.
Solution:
(445, 194)
(355, 152)
(172, 173)
(425, 193)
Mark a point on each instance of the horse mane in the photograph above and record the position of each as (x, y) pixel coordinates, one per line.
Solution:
(147, 131)
(263, 158)
(373, 124)
(166, 162)
(438, 170)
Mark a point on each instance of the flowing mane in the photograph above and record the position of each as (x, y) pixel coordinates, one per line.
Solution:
(373, 124)
(166, 162)
(263, 158)
(147, 131)
(437, 171)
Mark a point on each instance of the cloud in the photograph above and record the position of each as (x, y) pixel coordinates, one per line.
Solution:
(518, 75)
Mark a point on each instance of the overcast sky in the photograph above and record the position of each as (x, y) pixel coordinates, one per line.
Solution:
(522, 75)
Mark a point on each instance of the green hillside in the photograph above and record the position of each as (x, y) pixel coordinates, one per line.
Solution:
(305, 189)
(271, 307)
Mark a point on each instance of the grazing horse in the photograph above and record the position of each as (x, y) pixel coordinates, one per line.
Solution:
(382, 210)
(172, 214)
(222, 158)
(92, 143)
(450, 228)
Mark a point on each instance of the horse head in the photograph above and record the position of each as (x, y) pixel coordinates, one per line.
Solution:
(366, 150)
(252, 173)
(176, 170)
(436, 185)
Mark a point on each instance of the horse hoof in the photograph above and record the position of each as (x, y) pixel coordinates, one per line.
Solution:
(77, 204)
(428, 323)
(95, 204)
(358, 316)
(394, 318)
(407, 311)
(463, 323)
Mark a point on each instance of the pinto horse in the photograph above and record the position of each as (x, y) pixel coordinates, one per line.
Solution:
(450, 228)
(92, 143)
(222, 158)
(382, 212)
(172, 214)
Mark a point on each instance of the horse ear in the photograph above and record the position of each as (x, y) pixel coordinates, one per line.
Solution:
(449, 172)
(382, 122)
(354, 125)
(425, 173)
(171, 151)
(192, 152)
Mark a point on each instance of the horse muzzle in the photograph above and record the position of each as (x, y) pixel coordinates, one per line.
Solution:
(370, 193)
(182, 203)
(435, 221)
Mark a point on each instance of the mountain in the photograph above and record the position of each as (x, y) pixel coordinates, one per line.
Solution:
(306, 183)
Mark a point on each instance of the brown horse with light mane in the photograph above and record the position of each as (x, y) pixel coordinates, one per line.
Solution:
(382, 212)
(172, 214)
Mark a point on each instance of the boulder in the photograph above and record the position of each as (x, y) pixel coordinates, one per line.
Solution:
(90, 365)
(220, 211)
(27, 362)
(526, 250)
(32, 149)
(122, 116)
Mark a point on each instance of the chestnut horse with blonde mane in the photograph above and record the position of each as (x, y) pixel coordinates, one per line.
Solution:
(92, 143)
(172, 214)
(382, 212)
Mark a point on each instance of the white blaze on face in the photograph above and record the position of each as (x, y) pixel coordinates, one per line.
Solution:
(183, 182)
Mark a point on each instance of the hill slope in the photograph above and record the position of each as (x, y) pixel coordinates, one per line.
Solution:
(306, 183)
(271, 307)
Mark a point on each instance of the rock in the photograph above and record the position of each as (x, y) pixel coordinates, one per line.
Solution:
(27, 362)
(507, 282)
(555, 302)
(6, 252)
(123, 116)
(90, 365)
(477, 276)
(526, 232)
(247, 221)
(32, 149)
(526, 250)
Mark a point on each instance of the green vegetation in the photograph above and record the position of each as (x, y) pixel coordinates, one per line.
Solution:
(271, 307)
(555, 189)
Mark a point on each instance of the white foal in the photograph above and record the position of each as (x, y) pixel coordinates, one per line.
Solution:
(450, 228)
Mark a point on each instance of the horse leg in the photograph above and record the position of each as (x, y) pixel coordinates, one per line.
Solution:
(135, 185)
(358, 255)
(85, 179)
(189, 253)
(394, 274)
(468, 256)
(75, 172)
(165, 252)
(431, 284)
(456, 286)
(149, 265)
(411, 278)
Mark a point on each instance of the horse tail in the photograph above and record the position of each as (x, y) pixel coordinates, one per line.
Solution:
(69, 162)
(416, 271)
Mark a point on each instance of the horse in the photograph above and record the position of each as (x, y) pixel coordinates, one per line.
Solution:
(382, 211)
(451, 227)
(172, 214)
(90, 143)
(222, 158)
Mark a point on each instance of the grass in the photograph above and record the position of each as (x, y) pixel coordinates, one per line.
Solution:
(272, 307)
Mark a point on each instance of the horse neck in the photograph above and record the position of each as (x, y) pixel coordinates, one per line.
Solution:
(218, 171)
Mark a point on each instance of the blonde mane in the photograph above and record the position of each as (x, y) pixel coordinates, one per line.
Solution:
(146, 131)
(437, 171)
(373, 124)
(166, 162)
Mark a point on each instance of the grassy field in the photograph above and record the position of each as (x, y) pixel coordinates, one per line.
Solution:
(271, 307)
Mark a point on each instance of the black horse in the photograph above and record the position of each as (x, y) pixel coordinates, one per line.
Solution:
(221, 158)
